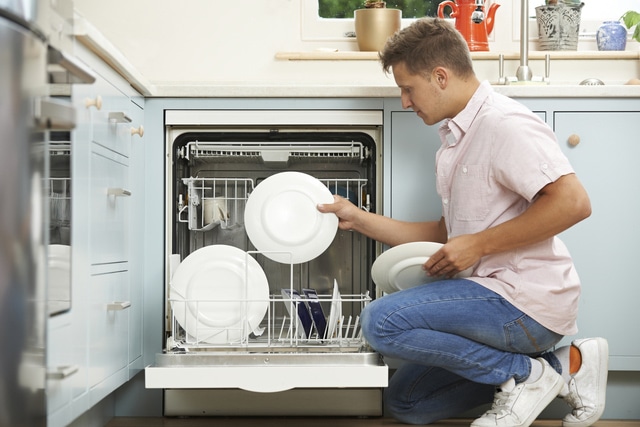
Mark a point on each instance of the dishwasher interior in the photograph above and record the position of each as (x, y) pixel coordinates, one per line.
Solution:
(211, 173)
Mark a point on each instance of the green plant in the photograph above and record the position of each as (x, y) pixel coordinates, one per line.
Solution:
(373, 4)
(631, 19)
(565, 2)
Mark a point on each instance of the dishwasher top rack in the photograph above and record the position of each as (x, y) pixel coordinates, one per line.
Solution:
(212, 202)
(275, 152)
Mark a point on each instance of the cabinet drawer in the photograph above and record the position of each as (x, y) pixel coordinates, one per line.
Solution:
(108, 325)
(108, 112)
(62, 369)
(110, 207)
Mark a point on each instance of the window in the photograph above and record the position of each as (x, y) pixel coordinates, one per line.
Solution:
(333, 19)
(345, 8)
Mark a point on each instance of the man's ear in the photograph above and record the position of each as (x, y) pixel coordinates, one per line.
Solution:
(440, 76)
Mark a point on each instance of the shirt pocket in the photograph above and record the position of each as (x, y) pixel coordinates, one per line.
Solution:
(469, 192)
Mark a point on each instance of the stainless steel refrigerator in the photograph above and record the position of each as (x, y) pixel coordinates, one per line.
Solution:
(23, 216)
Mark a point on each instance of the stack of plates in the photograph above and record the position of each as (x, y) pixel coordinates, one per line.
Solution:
(400, 267)
(219, 294)
(282, 219)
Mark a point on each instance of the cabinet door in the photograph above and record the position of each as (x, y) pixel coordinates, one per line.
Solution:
(110, 196)
(604, 245)
(60, 372)
(109, 112)
(108, 330)
(412, 157)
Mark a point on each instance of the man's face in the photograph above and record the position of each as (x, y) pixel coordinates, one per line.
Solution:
(420, 94)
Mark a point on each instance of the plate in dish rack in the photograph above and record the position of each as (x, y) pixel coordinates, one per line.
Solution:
(219, 294)
(282, 220)
(400, 267)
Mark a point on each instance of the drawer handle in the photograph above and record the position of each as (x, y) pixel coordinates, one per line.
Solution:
(119, 117)
(62, 372)
(118, 305)
(97, 102)
(138, 131)
(118, 192)
(573, 140)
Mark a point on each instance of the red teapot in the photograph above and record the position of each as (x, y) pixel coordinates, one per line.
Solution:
(471, 21)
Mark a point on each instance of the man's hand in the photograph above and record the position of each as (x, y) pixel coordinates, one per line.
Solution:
(458, 254)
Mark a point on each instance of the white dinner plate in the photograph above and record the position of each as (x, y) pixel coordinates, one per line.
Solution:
(335, 315)
(219, 294)
(400, 267)
(282, 220)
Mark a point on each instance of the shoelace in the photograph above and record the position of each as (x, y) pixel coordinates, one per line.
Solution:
(502, 402)
(573, 399)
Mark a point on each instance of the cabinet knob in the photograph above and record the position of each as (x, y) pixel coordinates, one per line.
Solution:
(138, 131)
(573, 140)
(97, 102)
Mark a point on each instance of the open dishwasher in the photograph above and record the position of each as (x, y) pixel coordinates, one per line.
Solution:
(296, 348)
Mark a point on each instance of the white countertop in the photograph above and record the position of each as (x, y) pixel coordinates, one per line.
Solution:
(94, 40)
(375, 91)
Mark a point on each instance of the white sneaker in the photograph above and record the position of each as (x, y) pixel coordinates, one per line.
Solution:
(586, 391)
(518, 405)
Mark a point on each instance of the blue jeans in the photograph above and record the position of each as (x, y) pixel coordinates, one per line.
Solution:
(458, 340)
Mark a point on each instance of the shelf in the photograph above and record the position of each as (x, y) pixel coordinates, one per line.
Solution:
(323, 55)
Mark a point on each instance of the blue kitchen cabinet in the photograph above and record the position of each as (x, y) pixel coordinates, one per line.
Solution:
(97, 346)
(604, 246)
(409, 165)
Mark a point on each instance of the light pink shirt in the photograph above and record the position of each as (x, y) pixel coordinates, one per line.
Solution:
(496, 155)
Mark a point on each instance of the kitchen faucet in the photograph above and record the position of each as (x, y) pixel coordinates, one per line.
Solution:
(524, 73)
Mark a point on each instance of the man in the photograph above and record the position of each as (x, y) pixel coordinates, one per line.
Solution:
(507, 191)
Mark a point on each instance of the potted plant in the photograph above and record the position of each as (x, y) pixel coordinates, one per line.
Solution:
(559, 24)
(374, 4)
(375, 24)
(631, 19)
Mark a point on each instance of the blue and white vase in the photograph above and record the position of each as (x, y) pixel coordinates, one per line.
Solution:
(612, 35)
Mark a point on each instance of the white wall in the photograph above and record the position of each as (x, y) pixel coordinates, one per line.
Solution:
(235, 41)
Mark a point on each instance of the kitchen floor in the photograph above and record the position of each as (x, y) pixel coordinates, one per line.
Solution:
(314, 422)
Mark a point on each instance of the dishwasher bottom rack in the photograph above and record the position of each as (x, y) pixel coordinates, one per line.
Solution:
(281, 324)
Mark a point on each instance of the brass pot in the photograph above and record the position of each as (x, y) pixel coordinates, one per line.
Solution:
(374, 26)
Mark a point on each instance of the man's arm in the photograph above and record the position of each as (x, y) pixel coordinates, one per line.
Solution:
(383, 229)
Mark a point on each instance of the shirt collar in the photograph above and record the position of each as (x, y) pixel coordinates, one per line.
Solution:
(452, 130)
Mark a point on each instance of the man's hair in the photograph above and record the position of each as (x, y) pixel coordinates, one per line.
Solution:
(426, 44)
